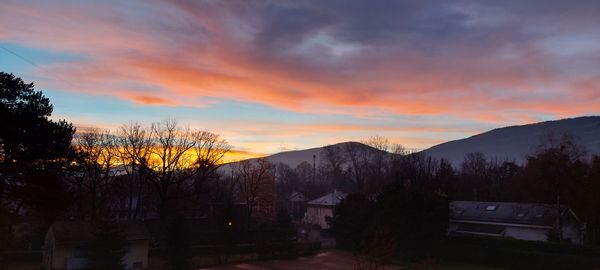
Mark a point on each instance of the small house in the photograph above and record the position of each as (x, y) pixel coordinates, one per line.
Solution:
(65, 245)
(318, 210)
(525, 221)
(297, 204)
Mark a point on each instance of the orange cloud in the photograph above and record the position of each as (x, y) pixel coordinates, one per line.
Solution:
(183, 52)
(150, 100)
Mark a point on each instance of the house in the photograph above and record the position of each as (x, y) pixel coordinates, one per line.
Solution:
(297, 204)
(65, 245)
(318, 210)
(525, 221)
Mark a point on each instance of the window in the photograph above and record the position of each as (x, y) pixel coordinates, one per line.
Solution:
(459, 212)
(539, 216)
(491, 208)
(520, 214)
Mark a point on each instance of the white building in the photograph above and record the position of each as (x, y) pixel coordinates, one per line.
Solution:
(318, 210)
(525, 221)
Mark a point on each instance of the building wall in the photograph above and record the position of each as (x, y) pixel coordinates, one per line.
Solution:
(64, 258)
(531, 234)
(59, 258)
(573, 233)
(317, 215)
(522, 233)
(55, 257)
(48, 249)
(452, 227)
(297, 209)
(138, 253)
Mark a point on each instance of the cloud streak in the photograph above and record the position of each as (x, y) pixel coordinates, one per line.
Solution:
(482, 61)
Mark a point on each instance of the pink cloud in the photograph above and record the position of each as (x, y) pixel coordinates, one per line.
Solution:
(209, 52)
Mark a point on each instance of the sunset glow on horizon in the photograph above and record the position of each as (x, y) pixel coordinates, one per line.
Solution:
(271, 76)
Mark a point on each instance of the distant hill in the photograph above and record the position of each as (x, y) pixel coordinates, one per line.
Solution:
(511, 143)
(514, 143)
(294, 158)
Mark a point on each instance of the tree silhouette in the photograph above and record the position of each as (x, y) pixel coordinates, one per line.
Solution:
(109, 246)
(28, 137)
(255, 186)
(178, 248)
(33, 152)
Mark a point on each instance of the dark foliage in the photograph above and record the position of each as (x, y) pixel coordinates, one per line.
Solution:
(516, 254)
(28, 136)
(283, 226)
(417, 219)
(411, 221)
(275, 239)
(108, 246)
(350, 219)
(178, 248)
(34, 151)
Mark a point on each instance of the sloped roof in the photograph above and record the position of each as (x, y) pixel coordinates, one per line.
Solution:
(75, 232)
(508, 212)
(71, 232)
(297, 197)
(331, 199)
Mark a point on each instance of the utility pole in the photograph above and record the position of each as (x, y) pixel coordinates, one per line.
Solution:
(314, 172)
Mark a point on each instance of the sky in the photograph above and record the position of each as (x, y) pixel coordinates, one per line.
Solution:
(273, 76)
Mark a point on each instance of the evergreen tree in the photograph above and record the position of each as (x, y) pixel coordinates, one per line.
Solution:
(350, 219)
(28, 138)
(34, 151)
(108, 246)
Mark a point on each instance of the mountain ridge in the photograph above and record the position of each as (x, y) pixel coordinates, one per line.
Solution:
(509, 143)
(514, 143)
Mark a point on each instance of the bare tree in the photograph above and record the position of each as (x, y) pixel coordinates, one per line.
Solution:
(377, 163)
(553, 173)
(256, 186)
(166, 156)
(475, 171)
(209, 150)
(134, 150)
(98, 157)
(171, 159)
(356, 156)
(378, 142)
(333, 165)
(398, 152)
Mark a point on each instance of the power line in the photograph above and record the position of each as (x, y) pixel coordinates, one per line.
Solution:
(35, 65)
(20, 57)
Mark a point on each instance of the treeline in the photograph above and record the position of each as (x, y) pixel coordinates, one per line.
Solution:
(149, 168)
(162, 171)
(408, 217)
(557, 171)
